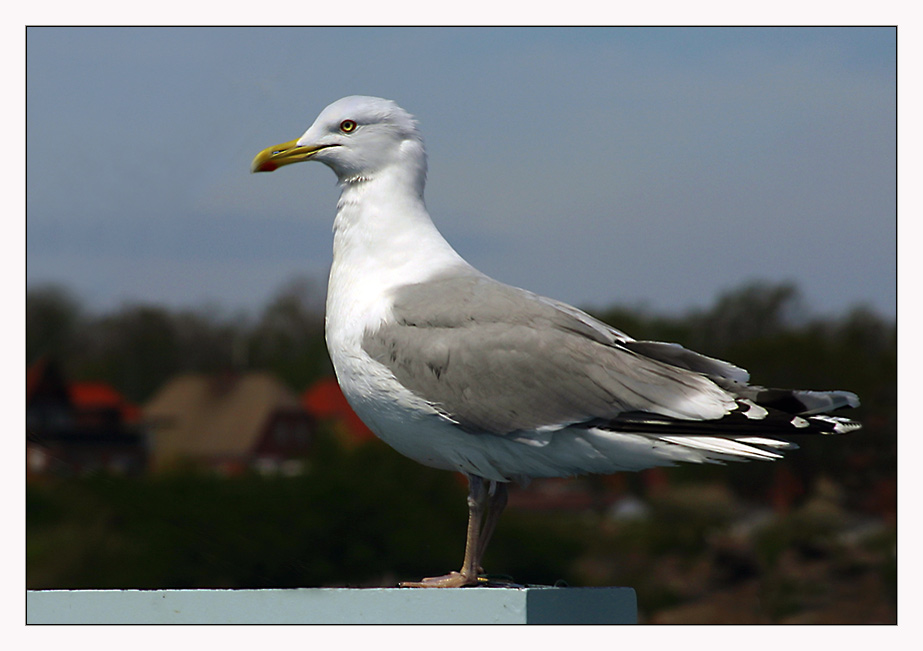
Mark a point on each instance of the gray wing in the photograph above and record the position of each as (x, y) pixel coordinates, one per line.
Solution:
(497, 359)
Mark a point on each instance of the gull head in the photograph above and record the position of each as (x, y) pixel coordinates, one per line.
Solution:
(358, 138)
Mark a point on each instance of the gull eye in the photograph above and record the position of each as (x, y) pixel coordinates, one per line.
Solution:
(348, 126)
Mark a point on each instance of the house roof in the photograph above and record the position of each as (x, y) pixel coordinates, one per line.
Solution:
(99, 395)
(44, 377)
(325, 401)
(196, 415)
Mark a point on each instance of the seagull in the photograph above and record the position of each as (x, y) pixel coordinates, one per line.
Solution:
(461, 372)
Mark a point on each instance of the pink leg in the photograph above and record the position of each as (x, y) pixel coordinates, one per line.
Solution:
(481, 498)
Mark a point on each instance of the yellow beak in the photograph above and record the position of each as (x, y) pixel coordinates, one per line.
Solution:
(274, 157)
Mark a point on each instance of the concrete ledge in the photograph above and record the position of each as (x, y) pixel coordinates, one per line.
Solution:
(534, 605)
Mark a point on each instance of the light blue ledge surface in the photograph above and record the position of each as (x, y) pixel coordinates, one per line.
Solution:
(533, 605)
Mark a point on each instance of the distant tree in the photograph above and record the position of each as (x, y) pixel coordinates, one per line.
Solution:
(209, 342)
(53, 318)
(288, 339)
(752, 311)
(137, 349)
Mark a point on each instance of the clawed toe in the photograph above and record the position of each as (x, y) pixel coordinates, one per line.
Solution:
(450, 580)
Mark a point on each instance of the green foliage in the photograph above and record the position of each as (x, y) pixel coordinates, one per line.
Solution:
(361, 517)
(288, 338)
(53, 318)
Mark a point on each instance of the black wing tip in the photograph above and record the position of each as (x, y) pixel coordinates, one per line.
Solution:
(806, 403)
(749, 419)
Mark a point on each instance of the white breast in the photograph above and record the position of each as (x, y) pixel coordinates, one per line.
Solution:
(375, 251)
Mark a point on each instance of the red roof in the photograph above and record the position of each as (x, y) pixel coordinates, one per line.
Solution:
(44, 376)
(99, 395)
(325, 401)
(34, 376)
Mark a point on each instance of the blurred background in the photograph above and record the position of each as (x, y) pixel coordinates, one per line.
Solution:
(732, 190)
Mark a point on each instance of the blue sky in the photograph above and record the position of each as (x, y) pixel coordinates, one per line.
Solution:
(639, 166)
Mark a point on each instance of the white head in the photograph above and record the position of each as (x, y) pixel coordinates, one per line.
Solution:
(357, 137)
